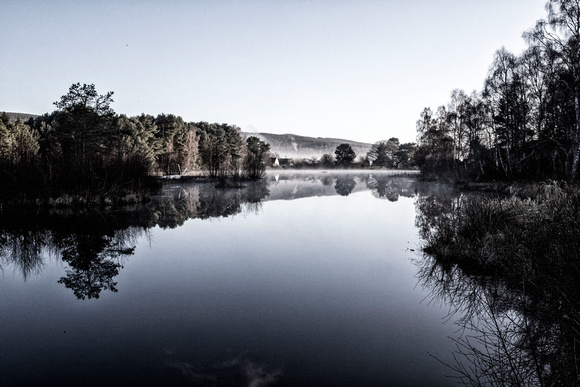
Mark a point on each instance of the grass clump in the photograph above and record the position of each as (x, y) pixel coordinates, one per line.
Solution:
(511, 264)
(533, 228)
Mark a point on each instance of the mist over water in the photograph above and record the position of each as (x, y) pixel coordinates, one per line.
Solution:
(307, 279)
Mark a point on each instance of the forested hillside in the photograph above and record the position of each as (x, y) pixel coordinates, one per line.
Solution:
(23, 116)
(294, 146)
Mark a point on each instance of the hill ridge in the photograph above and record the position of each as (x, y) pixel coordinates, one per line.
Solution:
(299, 146)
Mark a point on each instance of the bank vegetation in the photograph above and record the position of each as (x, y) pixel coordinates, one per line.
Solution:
(525, 122)
(509, 267)
(83, 153)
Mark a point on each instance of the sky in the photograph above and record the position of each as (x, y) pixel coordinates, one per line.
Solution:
(360, 70)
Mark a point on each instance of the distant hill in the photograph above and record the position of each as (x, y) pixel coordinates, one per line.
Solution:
(23, 116)
(294, 146)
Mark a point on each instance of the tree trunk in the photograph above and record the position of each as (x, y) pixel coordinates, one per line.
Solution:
(576, 135)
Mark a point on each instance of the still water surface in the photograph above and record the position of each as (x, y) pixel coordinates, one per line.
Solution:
(308, 280)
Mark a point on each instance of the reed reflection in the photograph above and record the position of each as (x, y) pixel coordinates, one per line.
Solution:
(510, 283)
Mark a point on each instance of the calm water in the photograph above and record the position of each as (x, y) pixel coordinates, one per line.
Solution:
(308, 280)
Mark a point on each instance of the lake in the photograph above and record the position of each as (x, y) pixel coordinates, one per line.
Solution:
(305, 279)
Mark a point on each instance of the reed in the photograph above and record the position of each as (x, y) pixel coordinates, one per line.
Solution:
(520, 257)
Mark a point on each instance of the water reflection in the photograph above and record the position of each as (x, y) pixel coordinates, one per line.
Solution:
(344, 185)
(520, 325)
(315, 291)
(95, 244)
(93, 261)
(384, 187)
(92, 245)
(178, 203)
(232, 372)
(382, 184)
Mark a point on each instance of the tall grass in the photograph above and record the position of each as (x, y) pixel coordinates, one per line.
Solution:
(521, 255)
(534, 228)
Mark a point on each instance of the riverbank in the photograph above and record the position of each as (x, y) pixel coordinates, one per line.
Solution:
(119, 197)
(521, 224)
(515, 258)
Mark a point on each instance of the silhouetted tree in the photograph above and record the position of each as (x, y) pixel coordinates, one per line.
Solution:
(344, 155)
(405, 155)
(559, 36)
(435, 146)
(138, 138)
(4, 118)
(178, 144)
(86, 123)
(220, 149)
(526, 121)
(257, 153)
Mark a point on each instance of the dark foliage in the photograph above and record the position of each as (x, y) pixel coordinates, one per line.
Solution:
(344, 155)
(510, 268)
(257, 154)
(84, 154)
(525, 123)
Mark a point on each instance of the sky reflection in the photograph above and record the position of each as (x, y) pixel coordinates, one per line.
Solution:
(315, 291)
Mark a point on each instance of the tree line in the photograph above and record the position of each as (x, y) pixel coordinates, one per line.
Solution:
(85, 150)
(389, 154)
(525, 122)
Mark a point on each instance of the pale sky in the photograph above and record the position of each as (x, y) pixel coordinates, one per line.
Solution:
(357, 70)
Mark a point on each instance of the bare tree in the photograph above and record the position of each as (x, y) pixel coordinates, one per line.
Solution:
(559, 34)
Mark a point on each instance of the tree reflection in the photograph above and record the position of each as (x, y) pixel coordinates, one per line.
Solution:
(93, 261)
(23, 250)
(90, 243)
(390, 187)
(519, 316)
(327, 180)
(344, 185)
(94, 244)
(179, 203)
